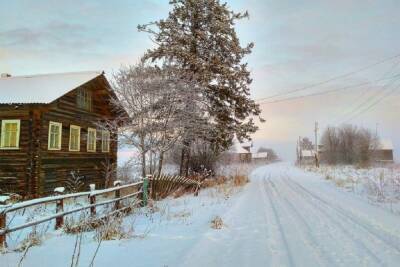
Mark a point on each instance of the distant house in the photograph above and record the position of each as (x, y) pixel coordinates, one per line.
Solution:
(240, 152)
(384, 152)
(307, 156)
(49, 129)
(261, 157)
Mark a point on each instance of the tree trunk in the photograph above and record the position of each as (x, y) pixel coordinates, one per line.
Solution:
(182, 161)
(151, 162)
(143, 164)
(160, 162)
(154, 162)
(143, 156)
(187, 161)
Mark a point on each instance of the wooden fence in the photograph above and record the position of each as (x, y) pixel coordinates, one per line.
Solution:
(159, 186)
(163, 185)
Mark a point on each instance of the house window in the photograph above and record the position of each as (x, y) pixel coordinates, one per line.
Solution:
(105, 141)
(84, 99)
(91, 140)
(10, 130)
(55, 133)
(74, 138)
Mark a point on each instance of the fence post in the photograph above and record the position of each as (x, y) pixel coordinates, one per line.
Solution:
(117, 195)
(92, 200)
(145, 189)
(2, 227)
(196, 192)
(59, 207)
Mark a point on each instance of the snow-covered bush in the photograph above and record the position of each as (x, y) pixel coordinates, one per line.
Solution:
(75, 182)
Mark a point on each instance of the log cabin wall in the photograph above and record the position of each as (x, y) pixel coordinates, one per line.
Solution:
(15, 163)
(56, 166)
(34, 170)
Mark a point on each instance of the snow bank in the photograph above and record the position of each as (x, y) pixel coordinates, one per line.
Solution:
(379, 185)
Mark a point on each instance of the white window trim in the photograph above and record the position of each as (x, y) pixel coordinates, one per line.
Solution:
(3, 122)
(102, 141)
(95, 141)
(59, 136)
(79, 137)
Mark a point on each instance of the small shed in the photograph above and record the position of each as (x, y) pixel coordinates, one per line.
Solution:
(384, 152)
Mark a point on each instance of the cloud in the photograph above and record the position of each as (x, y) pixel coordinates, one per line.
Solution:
(56, 35)
(19, 36)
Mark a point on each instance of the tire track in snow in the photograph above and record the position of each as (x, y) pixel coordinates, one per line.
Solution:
(391, 241)
(279, 223)
(320, 252)
(339, 224)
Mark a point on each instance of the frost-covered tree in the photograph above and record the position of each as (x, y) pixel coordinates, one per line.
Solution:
(181, 112)
(162, 109)
(348, 144)
(136, 88)
(199, 38)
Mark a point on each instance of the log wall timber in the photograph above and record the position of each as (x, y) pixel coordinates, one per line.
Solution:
(14, 168)
(34, 170)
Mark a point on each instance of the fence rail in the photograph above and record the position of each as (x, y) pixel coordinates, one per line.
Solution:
(154, 186)
(59, 201)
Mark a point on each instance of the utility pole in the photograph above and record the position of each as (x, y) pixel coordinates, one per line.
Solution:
(316, 145)
(300, 148)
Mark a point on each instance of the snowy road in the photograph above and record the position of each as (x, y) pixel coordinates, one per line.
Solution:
(283, 217)
(287, 217)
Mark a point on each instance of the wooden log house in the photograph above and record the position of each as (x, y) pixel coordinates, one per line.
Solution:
(49, 128)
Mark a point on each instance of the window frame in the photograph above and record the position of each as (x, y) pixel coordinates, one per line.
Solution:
(59, 124)
(2, 141)
(84, 99)
(103, 139)
(74, 127)
(95, 139)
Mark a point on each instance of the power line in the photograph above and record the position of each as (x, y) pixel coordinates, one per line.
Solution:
(331, 79)
(374, 103)
(368, 100)
(326, 92)
(374, 95)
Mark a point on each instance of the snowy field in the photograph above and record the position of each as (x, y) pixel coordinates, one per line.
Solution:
(377, 185)
(284, 217)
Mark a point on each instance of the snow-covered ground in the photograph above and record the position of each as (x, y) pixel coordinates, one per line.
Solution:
(283, 217)
(377, 185)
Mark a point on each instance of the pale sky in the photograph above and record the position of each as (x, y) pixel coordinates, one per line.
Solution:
(297, 43)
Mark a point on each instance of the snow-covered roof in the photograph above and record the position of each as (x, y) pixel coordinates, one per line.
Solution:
(238, 147)
(41, 89)
(386, 144)
(307, 153)
(260, 155)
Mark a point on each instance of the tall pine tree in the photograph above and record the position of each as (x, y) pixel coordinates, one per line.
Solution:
(199, 37)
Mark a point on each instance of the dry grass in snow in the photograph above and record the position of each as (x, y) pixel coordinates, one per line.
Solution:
(217, 223)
